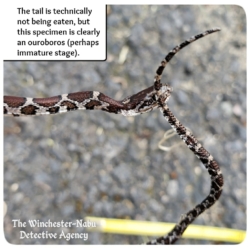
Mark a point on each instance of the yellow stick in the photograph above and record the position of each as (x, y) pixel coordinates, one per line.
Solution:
(118, 226)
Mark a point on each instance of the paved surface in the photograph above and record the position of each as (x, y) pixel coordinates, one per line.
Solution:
(91, 163)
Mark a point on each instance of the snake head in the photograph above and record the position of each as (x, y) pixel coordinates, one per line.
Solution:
(145, 100)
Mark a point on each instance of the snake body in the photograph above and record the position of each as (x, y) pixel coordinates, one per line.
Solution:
(146, 100)
(142, 102)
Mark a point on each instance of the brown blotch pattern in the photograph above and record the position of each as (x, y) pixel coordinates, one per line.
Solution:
(53, 110)
(69, 105)
(47, 102)
(109, 100)
(14, 102)
(92, 104)
(112, 109)
(29, 110)
(80, 96)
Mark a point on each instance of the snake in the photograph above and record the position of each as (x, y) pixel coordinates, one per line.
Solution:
(154, 97)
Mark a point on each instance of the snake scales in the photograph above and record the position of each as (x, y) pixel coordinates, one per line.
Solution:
(146, 100)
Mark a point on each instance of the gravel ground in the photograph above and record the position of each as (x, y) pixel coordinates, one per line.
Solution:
(92, 163)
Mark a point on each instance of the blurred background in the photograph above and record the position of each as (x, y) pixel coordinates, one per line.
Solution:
(92, 163)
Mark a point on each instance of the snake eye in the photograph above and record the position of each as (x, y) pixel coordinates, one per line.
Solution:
(154, 97)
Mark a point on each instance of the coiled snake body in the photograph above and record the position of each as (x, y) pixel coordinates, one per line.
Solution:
(146, 100)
